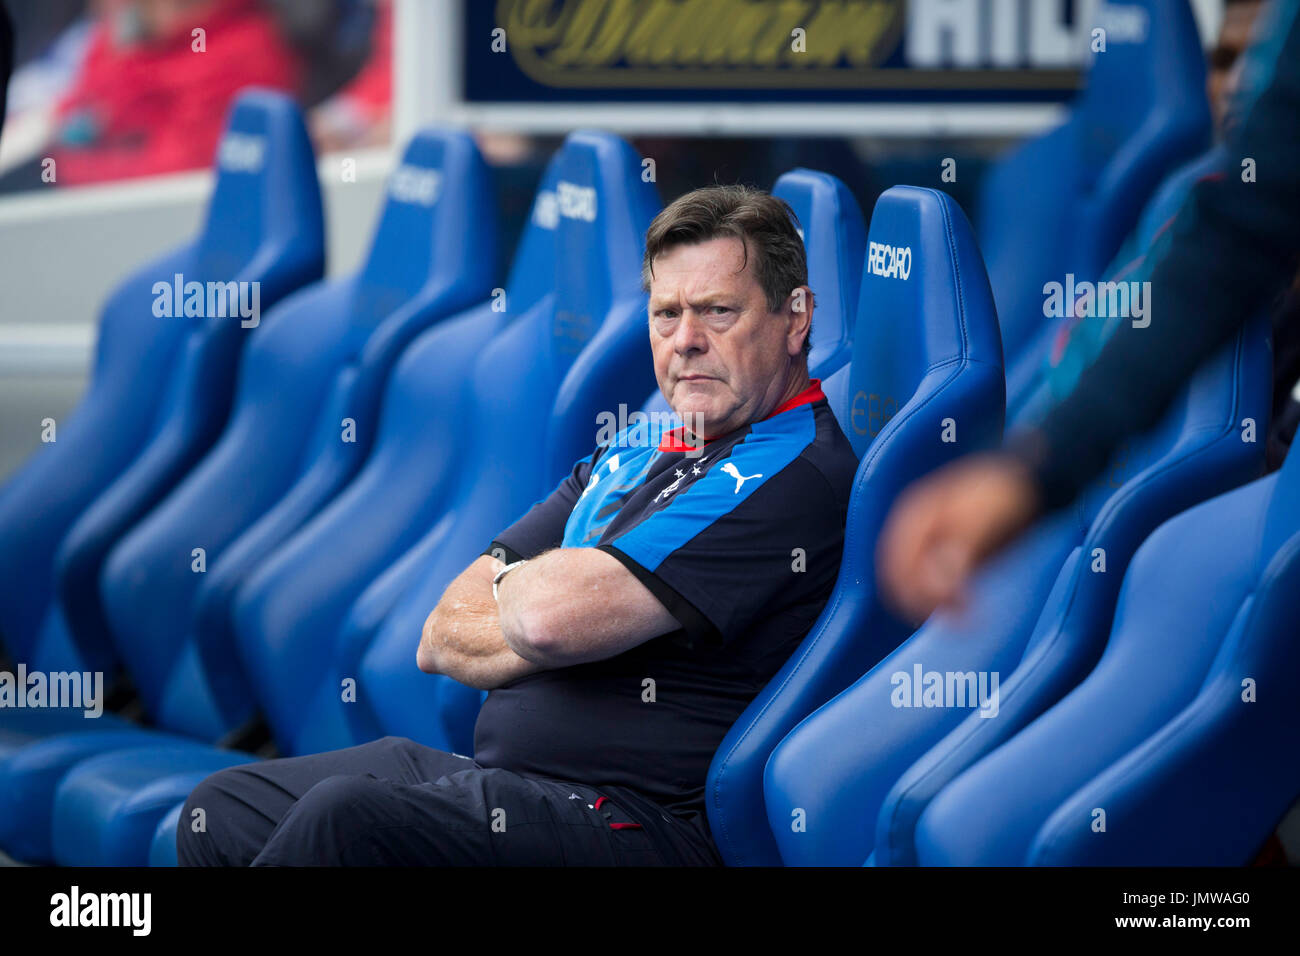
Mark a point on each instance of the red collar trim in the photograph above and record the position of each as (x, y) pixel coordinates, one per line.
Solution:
(672, 441)
(812, 393)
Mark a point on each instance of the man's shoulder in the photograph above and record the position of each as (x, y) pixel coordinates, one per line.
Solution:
(809, 449)
(831, 453)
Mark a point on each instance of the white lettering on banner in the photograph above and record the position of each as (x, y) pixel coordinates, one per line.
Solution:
(889, 262)
(415, 184)
(1007, 34)
(241, 153)
(577, 202)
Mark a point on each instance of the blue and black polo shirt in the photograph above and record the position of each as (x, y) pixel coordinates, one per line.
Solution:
(740, 539)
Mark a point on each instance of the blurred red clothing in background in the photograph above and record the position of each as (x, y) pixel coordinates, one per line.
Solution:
(360, 113)
(156, 104)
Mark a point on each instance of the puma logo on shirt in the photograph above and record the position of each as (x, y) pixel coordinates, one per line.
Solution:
(730, 469)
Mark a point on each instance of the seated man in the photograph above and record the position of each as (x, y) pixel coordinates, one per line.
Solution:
(621, 625)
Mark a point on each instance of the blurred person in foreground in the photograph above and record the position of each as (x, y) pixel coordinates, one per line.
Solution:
(1079, 339)
(1233, 246)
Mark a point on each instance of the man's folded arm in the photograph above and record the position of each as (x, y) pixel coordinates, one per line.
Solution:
(575, 605)
(462, 635)
(564, 607)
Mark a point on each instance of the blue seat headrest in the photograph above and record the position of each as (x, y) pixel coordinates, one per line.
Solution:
(1153, 66)
(600, 232)
(920, 265)
(834, 236)
(533, 268)
(266, 193)
(427, 231)
(1064, 201)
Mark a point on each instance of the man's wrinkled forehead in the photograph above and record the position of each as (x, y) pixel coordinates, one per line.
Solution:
(715, 269)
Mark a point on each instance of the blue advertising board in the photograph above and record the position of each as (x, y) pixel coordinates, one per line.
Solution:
(779, 51)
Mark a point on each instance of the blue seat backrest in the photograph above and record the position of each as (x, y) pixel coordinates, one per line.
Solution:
(834, 237)
(441, 436)
(301, 594)
(1283, 517)
(429, 231)
(927, 385)
(1038, 618)
(1064, 201)
(600, 339)
(532, 272)
(319, 360)
(1185, 615)
(1040, 615)
(538, 392)
(269, 154)
(264, 223)
(1224, 730)
(266, 200)
(892, 358)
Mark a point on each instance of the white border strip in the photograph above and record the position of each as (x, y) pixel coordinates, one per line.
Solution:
(30, 349)
(766, 119)
(71, 202)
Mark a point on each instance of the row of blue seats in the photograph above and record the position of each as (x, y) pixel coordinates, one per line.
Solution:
(1080, 726)
(310, 537)
(481, 414)
(346, 545)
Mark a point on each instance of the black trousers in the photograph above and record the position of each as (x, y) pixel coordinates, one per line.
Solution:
(394, 802)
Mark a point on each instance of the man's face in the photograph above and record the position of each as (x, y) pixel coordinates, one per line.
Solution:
(721, 358)
(1234, 37)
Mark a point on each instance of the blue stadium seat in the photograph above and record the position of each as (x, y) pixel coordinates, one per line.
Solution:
(409, 477)
(1040, 614)
(120, 825)
(159, 390)
(162, 848)
(927, 385)
(1063, 202)
(593, 355)
(310, 378)
(96, 819)
(319, 358)
(1183, 734)
(835, 240)
(1212, 782)
(1038, 618)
